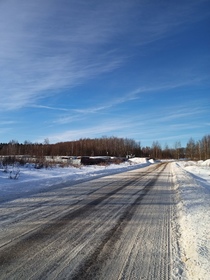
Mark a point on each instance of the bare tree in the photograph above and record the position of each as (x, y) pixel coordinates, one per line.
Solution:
(156, 150)
(177, 147)
(190, 149)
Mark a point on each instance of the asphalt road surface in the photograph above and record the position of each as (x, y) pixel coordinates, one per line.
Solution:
(113, 227)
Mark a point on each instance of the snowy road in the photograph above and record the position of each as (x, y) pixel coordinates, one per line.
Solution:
(114, 227)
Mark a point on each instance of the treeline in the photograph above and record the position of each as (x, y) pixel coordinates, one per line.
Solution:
(109, 146)
(104, 146)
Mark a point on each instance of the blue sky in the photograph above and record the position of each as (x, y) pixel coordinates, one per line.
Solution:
(72, 69)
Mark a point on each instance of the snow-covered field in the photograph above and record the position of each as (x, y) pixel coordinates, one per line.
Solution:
(31, 180)
(192, 183)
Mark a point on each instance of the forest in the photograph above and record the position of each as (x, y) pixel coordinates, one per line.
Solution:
(109, 146)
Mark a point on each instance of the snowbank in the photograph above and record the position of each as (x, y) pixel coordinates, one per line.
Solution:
(189, 163)
(138, 160)
(206, 162)
(195, 163)
(193, 186)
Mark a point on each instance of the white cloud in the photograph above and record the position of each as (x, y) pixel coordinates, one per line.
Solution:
(105, 127)
(49, 45)
(3, 122)
(39, 58)
(49, 107)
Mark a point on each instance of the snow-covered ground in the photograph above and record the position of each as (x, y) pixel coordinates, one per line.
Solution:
(192, 182)
(31, 180)
(193, 188)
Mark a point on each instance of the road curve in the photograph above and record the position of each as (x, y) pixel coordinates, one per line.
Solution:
(114, 227)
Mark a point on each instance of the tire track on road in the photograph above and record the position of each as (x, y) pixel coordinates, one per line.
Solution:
(16, 249)
(92, 265)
